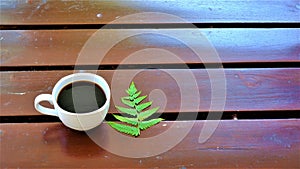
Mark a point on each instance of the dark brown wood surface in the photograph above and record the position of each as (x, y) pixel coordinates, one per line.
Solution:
(102, 12)
(247, 89)
(61, 47)
(234, 144)
(258, 44)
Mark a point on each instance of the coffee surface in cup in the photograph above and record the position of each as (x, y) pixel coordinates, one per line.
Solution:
(81, 97)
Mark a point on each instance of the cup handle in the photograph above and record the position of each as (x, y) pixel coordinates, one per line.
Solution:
(42, 109)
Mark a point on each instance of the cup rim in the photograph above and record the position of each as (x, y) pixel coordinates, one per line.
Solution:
(57, 88)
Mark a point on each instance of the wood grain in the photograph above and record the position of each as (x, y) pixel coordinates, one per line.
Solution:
(102, 12)
(247, 89)
(241, 144)
(62, 47)
(234, 144)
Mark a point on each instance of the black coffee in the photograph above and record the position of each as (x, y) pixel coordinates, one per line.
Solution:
(81, 97)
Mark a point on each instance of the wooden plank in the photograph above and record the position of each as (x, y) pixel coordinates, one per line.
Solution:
(234, 144)
(102, 12)
(247, 89)
(61, 47)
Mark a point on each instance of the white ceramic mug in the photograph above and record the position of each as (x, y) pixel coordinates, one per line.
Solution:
(77, 121)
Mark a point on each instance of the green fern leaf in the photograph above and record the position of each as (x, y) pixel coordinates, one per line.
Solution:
(135, 95)
(128, 102)
(128, 92)
(139, 99)
(132, 89)
(141, 107)
(129, 125)
(129, 111)
(143, 115)
(132, 86)
(146, 124)
(132, 121)
(134, 131)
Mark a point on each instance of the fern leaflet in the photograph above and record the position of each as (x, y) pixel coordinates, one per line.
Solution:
(139, 99)
(146, 124)
(128, 102)
(125, 129)
(129, 111)
(128, 120)
(143, 115)
(141, 107)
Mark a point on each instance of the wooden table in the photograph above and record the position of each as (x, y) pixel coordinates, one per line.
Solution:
(257, 42)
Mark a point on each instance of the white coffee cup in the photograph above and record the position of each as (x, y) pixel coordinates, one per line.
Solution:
(77, 121)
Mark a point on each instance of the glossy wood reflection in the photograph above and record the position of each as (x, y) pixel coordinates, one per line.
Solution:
(62, 47)
(246, 89)
(257, 144)
(102, 12)
(253, 47)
